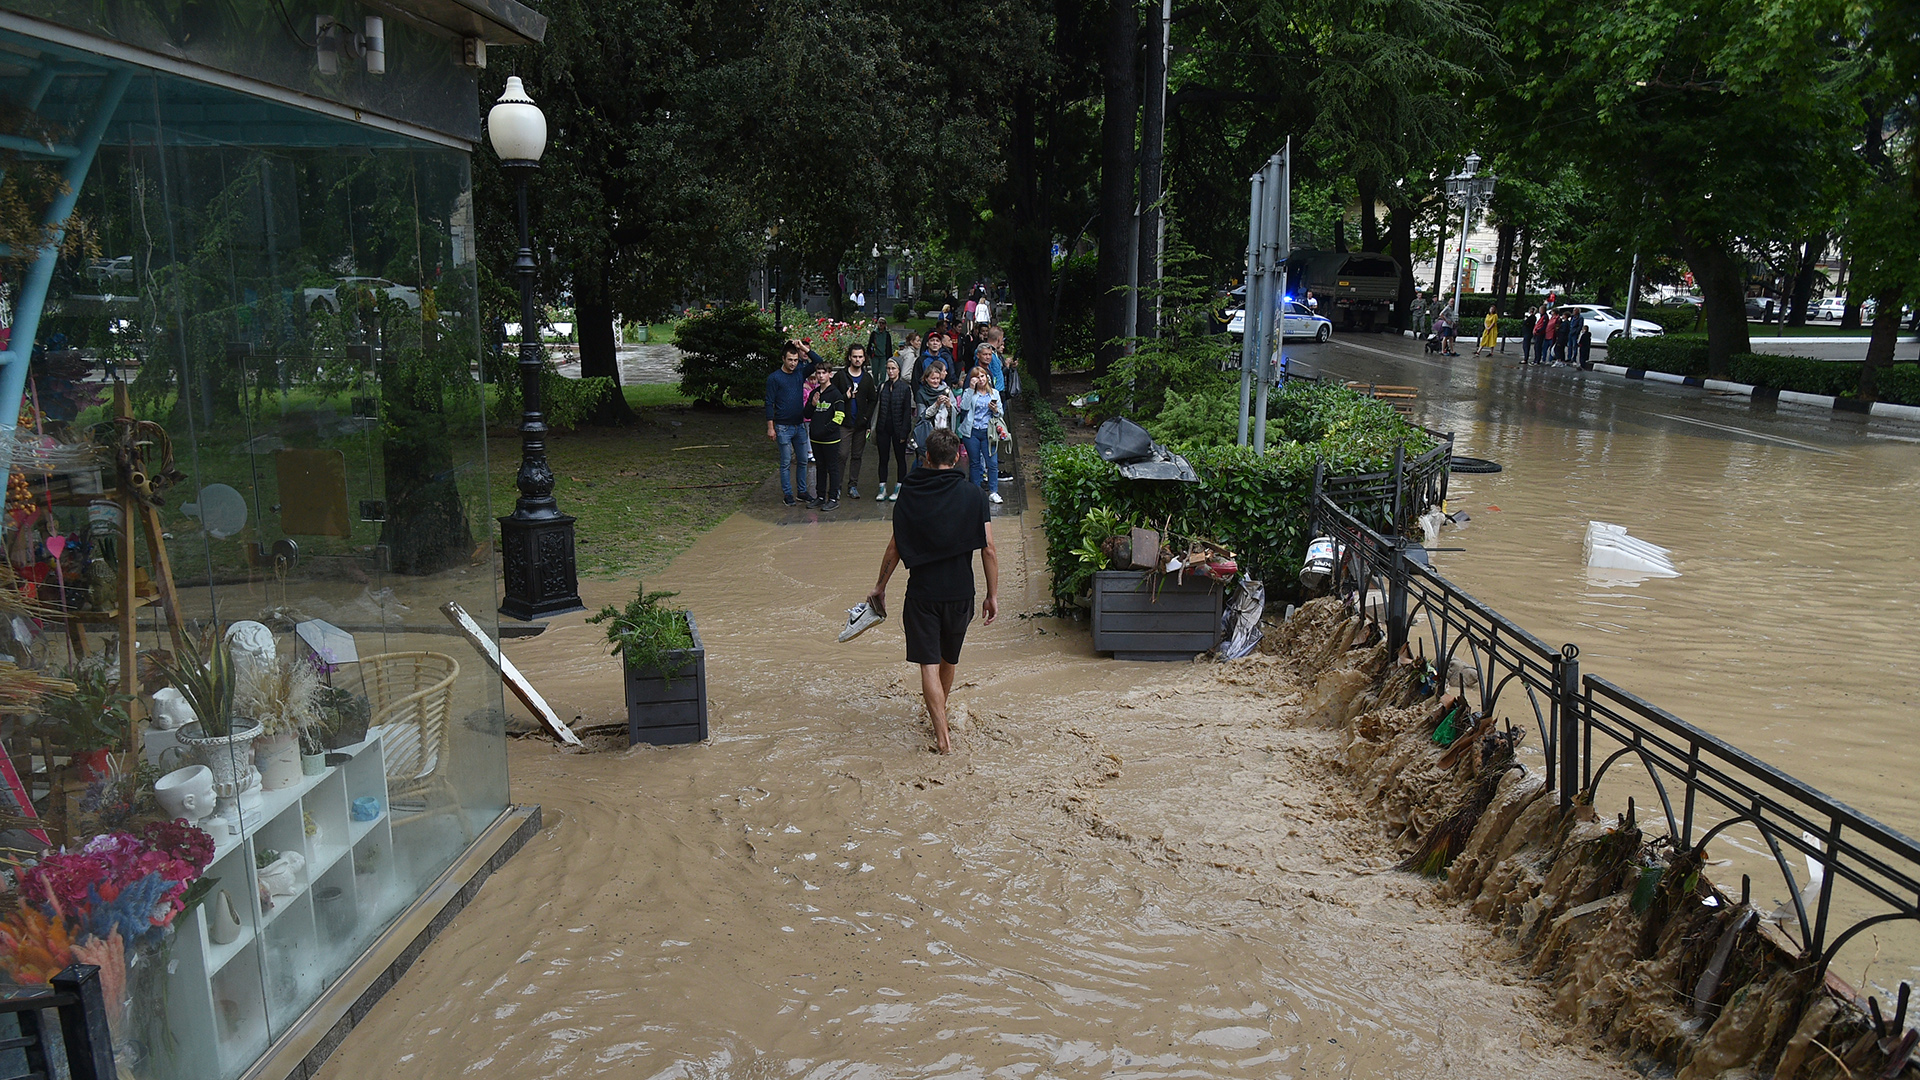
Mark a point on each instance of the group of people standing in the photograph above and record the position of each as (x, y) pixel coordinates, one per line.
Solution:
(954, 380)
(1556, 337)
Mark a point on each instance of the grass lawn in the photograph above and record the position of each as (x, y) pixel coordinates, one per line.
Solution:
(642, 494)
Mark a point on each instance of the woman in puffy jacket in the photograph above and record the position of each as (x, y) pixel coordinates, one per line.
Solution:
(893, 425)
(976, 415)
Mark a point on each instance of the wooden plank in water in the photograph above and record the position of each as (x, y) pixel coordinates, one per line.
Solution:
(509, 674)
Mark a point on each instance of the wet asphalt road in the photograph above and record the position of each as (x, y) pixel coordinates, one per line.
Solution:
(1464, 394)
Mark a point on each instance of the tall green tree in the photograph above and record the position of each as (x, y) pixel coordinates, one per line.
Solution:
(1883, 219)
(1718, 123)
(640, 200)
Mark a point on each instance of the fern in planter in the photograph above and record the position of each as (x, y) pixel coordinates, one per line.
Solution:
(644, 633)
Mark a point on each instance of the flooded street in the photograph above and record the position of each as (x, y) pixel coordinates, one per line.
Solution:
(1141, 869)
(1124, 869)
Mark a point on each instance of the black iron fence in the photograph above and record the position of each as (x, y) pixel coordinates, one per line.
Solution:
(1391, 500)
(28, 1051)
(1588, 725)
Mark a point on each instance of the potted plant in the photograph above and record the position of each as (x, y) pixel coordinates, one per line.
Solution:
(91, 720)
(344, 715)
(666, 669)
(218, 739)
(313, 744)
(280, 694)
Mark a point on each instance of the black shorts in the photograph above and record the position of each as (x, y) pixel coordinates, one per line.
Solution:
(935, 629)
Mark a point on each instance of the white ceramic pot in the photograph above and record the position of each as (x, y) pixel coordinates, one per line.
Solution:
(186, 793)
(313, 764)
(223, 921)
(278, 757)
(230, 757)
(170, 710)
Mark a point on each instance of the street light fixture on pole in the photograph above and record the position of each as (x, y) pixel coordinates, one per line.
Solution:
(536, 540)
(1469, 192)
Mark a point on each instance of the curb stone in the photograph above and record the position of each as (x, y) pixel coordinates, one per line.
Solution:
(1766, 393)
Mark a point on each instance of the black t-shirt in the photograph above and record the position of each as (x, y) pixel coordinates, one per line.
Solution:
(950, 578)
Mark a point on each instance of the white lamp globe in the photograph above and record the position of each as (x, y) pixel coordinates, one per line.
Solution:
(516, 126)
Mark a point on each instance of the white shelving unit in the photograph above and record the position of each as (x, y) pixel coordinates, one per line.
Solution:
(235, 996)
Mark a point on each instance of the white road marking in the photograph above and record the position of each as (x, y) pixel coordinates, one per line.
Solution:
(1749, 433)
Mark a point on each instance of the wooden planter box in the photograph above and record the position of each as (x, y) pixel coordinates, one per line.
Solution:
(669, 713)
(1172, 622)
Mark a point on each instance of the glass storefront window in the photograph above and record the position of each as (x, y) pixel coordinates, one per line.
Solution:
(259, 374)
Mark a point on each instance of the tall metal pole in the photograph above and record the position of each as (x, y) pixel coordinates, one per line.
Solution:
(1274, 283)
(1460, 266)
(1633, 293)
(1248, 342)
(536, 549)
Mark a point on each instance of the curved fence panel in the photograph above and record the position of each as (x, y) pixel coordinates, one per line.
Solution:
(1860, 873)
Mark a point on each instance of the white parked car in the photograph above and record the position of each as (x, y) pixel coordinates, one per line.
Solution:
(1296, 320)
(1833, 307)
(1604, 323)
(330, 298)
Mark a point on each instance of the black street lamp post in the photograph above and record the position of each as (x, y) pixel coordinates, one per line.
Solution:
(536, 540)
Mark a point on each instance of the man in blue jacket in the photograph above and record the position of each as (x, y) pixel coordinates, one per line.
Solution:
(786, 419)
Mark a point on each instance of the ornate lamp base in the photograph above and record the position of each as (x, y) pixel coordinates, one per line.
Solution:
(536, 558)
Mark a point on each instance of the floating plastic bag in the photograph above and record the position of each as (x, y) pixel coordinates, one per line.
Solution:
(1240, 622)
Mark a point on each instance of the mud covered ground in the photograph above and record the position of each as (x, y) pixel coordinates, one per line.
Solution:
(1124, 869)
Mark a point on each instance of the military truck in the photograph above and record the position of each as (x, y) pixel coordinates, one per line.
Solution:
(1356, 290)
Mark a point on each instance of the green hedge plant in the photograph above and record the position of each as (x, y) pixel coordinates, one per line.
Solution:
(1675, 356)
(1799, 373)
(726, 354)
(1900, 384)
(1253, 503)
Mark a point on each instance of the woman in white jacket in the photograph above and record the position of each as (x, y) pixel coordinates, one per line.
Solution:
(976, 420)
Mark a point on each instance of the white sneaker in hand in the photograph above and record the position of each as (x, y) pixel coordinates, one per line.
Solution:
(860, 618)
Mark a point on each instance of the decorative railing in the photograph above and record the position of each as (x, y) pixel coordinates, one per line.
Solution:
(87, 1045)
(1860, 873)
(1391, 500)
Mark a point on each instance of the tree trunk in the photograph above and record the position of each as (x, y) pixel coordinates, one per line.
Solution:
(599, 358)
(1440, 258)
(1803, 280)
(1886, 333)
(1400, 245)
(1504, 264)
(1121, 95)
(1369, 214)
(1526, 258)
(1030, 260)
(1849, 315)
(1722, 281)
(1153, 133)
(1340, 233)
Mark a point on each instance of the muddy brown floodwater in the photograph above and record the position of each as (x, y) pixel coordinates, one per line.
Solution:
(1124, 869)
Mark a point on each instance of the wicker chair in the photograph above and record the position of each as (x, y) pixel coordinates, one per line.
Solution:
(412, 698)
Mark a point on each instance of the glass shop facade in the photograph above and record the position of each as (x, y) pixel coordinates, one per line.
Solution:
(246, 459)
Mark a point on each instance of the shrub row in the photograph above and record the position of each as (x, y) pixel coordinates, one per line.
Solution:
(1899, 384)
(1801, 373)
(1046, 420)
(1675, 356)
(1253, 503)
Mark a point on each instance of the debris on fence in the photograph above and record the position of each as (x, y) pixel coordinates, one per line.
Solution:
(1632, 940)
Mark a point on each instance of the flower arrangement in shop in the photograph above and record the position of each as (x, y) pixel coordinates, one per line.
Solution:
(122, 890)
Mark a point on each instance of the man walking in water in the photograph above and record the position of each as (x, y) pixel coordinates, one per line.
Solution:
(941, 520)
